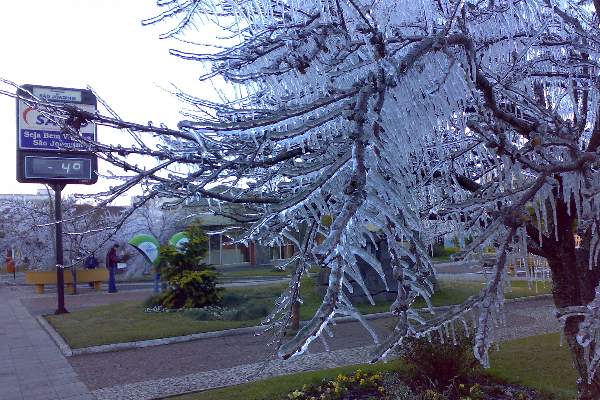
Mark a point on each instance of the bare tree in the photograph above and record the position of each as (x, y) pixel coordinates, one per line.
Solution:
(477, 115)
(161, 222)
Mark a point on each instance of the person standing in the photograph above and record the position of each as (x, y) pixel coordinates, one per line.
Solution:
(111, 263)
(10, 263)
(91, 262)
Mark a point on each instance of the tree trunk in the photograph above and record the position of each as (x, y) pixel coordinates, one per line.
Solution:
(574, 284)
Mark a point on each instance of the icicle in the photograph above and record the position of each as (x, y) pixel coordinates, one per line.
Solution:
(539, 221)
(453, 332)
(593, 245)
(554, 216)
(545, 215)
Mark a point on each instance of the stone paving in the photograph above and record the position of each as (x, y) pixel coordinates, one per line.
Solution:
(31, 365)
(210, 363)
(152, 389)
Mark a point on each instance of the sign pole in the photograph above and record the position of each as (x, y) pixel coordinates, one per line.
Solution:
(60, 279)
(48, 153)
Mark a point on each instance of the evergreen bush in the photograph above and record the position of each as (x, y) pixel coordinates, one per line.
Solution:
(191, 283)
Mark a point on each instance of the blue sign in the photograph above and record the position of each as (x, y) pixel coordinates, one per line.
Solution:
(46, 151)
(35, 139)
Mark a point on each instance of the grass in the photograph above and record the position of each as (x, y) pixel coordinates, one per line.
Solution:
(275, 388)
(537, 362)
(252, 272)
(133, 279)
(127, 321)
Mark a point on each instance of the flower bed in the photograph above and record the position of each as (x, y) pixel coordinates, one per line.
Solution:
(360, 385)
(394, 386)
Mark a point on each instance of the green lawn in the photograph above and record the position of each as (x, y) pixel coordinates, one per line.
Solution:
(537, 362)
(251, 272)
(137, 278)
(127, 321)
(276, 388)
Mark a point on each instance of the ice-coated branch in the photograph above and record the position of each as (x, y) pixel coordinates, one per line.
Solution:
(364, 124)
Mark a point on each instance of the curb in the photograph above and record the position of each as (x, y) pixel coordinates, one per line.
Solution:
(64, 348)
(53, 294)
(67, 351)
(105, 348)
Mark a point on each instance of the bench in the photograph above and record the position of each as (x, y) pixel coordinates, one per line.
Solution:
(41, 278)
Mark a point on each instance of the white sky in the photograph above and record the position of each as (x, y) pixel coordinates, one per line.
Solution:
(73, 43)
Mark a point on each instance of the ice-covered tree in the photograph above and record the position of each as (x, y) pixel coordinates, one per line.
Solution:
(22, 230)
(27, 227)
(392, 118)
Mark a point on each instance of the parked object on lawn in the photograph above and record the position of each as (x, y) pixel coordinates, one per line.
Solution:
(42, 278)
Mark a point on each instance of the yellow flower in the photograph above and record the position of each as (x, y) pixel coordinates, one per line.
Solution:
(296, 394)
(362, 382)
(381, 389)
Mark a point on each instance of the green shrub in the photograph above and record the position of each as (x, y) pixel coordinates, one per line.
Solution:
(210, 313)
(229, 298)
(190, 282)
(153, 301)
(249, 311)
(192, 289)
(437, 365)
(252, 310)
(440, 251)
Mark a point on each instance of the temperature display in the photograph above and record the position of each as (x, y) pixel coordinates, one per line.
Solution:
(57, 167)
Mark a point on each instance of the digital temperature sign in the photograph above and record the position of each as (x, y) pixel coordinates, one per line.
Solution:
(46, 153)
(39, 167)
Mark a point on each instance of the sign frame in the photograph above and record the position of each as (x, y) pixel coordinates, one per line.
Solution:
(58, 149)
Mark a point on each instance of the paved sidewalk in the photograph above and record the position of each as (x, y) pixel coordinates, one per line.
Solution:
(31, 365)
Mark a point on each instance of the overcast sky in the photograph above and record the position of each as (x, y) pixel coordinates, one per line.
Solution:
(73, 43)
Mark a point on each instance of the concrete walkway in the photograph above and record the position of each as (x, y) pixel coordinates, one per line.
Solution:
(31, 365)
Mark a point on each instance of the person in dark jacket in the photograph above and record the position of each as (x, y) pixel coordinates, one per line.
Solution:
(91, 262)
(111, 263)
